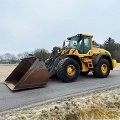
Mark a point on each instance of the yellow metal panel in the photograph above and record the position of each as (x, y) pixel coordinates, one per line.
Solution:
(84, 67)
(63, 51)
(89, 35)
(114, 63)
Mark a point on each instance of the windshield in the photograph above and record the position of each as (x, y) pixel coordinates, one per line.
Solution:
(72, 43)
(81, 43)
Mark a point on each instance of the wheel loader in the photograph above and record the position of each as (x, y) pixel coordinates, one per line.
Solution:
(78, 56)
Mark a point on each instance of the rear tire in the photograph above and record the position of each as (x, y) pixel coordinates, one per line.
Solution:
(102, 69)
(68, 70)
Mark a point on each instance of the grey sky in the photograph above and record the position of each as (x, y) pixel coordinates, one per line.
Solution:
(26, 25)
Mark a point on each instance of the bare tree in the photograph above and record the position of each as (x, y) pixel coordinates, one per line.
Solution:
(22, 55)
(42, 54)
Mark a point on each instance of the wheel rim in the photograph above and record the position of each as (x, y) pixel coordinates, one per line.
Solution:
(71, 70)
(104, 68)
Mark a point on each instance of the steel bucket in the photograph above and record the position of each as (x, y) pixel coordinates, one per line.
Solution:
(30, 73)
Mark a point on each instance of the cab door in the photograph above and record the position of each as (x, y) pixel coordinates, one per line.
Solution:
(84, 44)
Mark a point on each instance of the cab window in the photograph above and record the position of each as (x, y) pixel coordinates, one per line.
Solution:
(84, 45)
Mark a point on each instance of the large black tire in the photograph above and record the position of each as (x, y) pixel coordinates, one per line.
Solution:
(100, 72)
(68, 70)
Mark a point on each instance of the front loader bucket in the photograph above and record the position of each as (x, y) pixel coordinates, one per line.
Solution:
(30, 73)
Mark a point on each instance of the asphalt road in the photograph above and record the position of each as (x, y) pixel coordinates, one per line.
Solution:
(55, 88)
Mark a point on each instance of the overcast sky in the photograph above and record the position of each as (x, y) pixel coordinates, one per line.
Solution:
(26, 25)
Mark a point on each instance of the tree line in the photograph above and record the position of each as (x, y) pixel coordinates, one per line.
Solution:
(113, 47)
(110, 44)
(9, 58)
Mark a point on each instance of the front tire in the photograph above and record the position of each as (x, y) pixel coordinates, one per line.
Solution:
(102, 69)
(68, 69)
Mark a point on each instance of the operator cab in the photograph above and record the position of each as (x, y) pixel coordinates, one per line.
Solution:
(80, 41)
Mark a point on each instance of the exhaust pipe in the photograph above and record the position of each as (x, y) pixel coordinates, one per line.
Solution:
(30, 73)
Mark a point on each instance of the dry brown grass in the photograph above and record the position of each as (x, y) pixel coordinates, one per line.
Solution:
(5, 70)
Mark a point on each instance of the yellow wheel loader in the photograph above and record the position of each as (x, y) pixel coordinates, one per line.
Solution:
(78, 56)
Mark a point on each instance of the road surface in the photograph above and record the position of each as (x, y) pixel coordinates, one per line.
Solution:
(55, 88)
